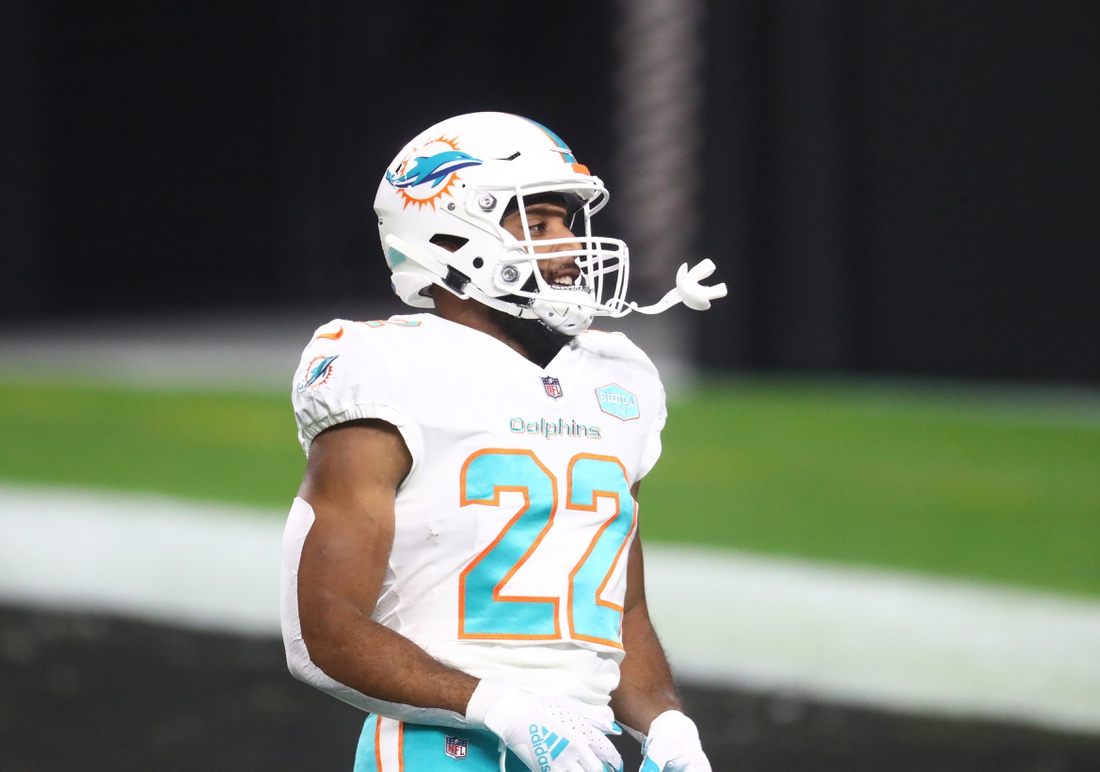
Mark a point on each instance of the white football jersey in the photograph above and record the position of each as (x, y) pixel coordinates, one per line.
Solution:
(514, 525)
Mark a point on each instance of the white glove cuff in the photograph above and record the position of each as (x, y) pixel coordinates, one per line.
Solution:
(674, 724)
(493, 706)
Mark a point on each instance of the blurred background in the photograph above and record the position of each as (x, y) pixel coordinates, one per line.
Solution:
(884, 445)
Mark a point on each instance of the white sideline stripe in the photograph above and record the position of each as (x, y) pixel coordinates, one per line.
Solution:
(878, 638)
(204, 565)
(844, 634)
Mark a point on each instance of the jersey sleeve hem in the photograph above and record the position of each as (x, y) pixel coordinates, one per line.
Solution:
(410, 431)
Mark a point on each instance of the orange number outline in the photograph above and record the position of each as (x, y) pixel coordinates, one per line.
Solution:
(595, 539)
(464, 500)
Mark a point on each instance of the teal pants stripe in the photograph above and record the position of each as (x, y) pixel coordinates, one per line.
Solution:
(424, 749)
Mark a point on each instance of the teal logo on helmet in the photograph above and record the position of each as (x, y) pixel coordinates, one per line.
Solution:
(434, 169)
(429, 172)
(617, 401)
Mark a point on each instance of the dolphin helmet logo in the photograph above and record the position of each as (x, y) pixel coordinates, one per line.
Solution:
(433, 169)
(428, 172)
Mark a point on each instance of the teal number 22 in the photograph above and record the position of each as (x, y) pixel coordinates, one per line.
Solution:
(486, 614)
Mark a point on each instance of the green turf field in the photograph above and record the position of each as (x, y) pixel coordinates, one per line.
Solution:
(227, 447)
(980, 485)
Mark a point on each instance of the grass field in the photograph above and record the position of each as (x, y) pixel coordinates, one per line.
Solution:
(977, 485)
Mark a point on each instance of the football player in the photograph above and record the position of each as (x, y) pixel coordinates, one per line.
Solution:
(462, 560)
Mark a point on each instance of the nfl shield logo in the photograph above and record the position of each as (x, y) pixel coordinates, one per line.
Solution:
(552, 386)
(456, 747)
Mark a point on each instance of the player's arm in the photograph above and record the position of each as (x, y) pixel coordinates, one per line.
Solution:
(351, 482)
(645, 687)
(646, 698)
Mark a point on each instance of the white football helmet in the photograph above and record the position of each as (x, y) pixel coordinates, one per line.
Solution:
(453, 183)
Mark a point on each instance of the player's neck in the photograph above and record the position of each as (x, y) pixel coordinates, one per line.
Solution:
(474, 315)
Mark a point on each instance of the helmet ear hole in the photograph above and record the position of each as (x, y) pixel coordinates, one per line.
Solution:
(448, 241)
(478, 262)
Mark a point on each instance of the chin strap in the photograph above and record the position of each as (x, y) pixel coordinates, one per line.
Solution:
(688, 291)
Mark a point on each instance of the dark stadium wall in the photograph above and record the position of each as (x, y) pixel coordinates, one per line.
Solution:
(906, 187)
(982, 188)
(901, 187)
(222, 155)
(21, 159)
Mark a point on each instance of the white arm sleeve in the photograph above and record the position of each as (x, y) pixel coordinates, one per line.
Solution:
(297, 656)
